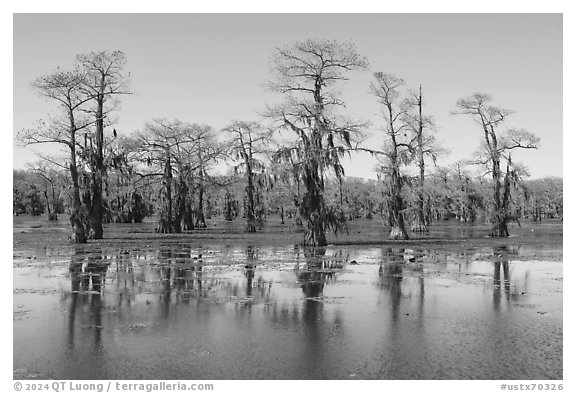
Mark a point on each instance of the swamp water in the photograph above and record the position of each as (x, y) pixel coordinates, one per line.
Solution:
(154, 310)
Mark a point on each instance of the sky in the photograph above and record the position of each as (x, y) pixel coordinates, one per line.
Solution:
(212, 69)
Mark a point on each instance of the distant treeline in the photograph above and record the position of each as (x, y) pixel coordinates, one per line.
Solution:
(450, 194)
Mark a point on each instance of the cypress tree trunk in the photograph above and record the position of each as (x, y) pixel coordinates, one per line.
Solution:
(500, 228)
(500, 216)
(313, 206)
(420, 224)
(227, 207)
(96, 209)
(183, 219)
(250, 216)
(166, 222)
(398, 229)
(316, 235)
(52, 215)
(77, 217)
(200, 221)
(99, 171)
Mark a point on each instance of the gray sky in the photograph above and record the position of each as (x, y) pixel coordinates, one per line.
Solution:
(211, 68)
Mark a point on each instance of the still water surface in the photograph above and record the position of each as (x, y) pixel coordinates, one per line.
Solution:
(285, 312)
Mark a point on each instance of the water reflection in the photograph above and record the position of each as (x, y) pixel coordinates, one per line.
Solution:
(251, 257)
(292, 312)
(177, 275)
(395, 267)
(391, 280)
(86, 308)
(316, 272)
(180, 270)
(502, 284)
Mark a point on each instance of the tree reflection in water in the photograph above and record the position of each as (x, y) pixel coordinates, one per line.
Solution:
(156, 307)
(251, 256)
(402, 299)
(395, 272)
(254, 290)
(87, 277)
(390, 273)
(150, 288)
(319, 269)
(502, 253)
